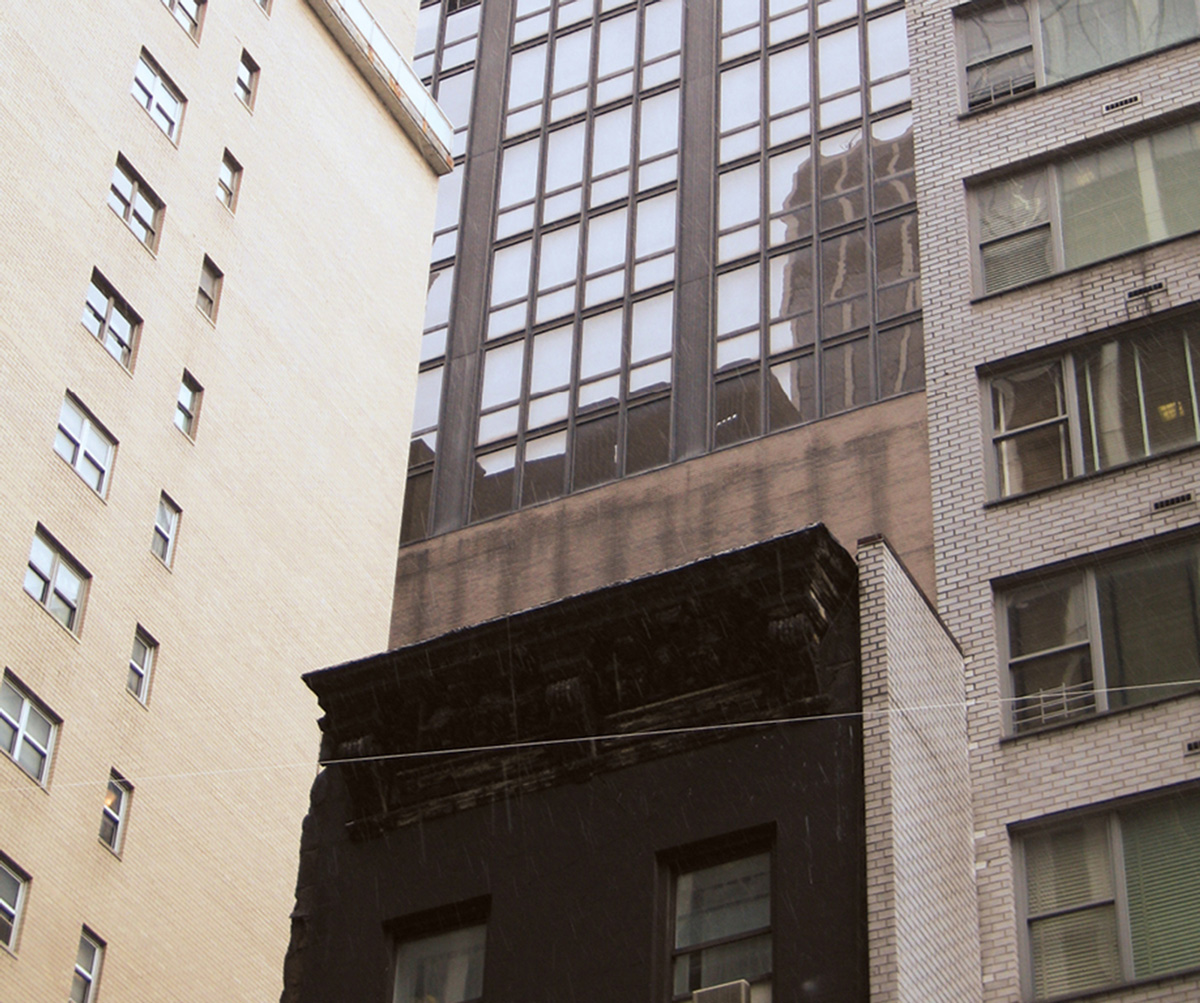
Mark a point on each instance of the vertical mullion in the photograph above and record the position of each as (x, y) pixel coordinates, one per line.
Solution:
(1141, 392)
(1071, 399)
(1191, 373)
(1096, 640)
(1120, 896)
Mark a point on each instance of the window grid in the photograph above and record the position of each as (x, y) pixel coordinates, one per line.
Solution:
(229, 181)
(55, 581)
(141, 661)
(155, 92)
(13, 882)
(110, 319)
(84, 444)
(115, 811)
(817, 287)
(26, 730)
(1109, 402)
(166, 526)
(246, 82)
(134, 201)
(87, 967)
(187, 405)
(1113, 634)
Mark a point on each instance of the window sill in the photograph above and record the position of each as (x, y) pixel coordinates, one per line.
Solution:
(997, 503)
(1121, 989)
(61, 626)
(1013, 99)
(1085, 719)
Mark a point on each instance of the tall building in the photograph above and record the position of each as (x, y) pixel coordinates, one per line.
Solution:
(216, 219)
(1058, 179)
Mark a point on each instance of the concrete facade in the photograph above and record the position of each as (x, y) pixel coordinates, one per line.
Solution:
(984, 543)
(274, 564)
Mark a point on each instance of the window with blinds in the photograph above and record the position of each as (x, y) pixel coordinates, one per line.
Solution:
(1095, 205)
(1114, 897)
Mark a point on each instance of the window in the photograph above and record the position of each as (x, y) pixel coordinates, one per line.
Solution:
(722, 926)
(1119, 633)
(229, 180)
(187, 405)
(26, 729)
(265, 6)
(87, 967)
(116, 808)
(84, 444)
(111, 319)
(189, 14)
(141, 660)
(1111, 897)
(132, 199)
(12, 896)
(1110, 402)
(447, 967)
(56, 581)
(247, 79)
(208, 293)
(1017, 45)
(155, 92)
(1097, 204)
(166, 523)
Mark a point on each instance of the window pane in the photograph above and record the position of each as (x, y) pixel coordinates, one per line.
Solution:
(846, 372)
(595, 452)
(1109, 393)
(447, 968)
(737, 299)
(493, 490)
(737, 412)
(648, 441)
(1075, 952)
(1047, 615)
(1102, 212)
(1167, 392)
(723, 901)
(545, 468)
(791, 397)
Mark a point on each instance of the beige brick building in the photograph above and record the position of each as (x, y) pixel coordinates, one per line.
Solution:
(216, 222)
(1058, 163)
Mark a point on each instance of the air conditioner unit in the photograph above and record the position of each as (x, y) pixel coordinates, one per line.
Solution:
(727, 992)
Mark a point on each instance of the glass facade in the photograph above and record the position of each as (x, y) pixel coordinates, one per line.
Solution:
(726, 185)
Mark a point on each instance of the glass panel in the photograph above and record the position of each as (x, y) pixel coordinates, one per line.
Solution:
(661, 31)
(1150, 623)
(572, 58)
(844, 283)
(518, 173)
(737, 413)
(564, 158)
(502, 374)
(1111, 400)
(545, 468)
(1078, 37)
(843, 170)
(846, 375)
(1013, 204)
(740, 96)
(653, 327)
(791, 393)
(437, 301)
(1166, 389)
(1038, 458)
(493, 489)
(447, 968)
(595, 452)
(788, 76)
(1047, 615)
(887, 45)
(617, 44)
(791, 195)
(606, 241)
(558, 260)
(648, 440)
(745, 959)
(738, 299)
(527, 76)
(901, 352)
(659, 125)
(510, 272)
(1102, 210)
(1176, 157)
(610, 141)
(1052, 688)
(428, 399)
(551, 360)
(739, 196)
(897, 270)
(1075, 952)
(722, 901)
(838, 62)
(792, 293)
(601, 347)
(655, 225)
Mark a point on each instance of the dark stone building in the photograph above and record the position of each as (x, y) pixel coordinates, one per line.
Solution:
(628, 794)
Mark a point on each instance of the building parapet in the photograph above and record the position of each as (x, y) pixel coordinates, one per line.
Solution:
(391, 77)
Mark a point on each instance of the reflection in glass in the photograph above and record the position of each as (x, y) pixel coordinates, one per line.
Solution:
(736, 409)
(648, 440)
(492, 492)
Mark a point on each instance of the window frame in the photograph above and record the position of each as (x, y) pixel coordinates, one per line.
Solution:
(141, 671)
(128, 213)
(1180, 328)
(1110, 817)
(246, 89)
(114, 821)
(711, 854)
(114, 303)
(10, 912)
(227, 190)
(150, 93)
(187, 416)
(162, 544)
(87, 977)
(60, 559)
(208, 290)
(183, 17)
(459, 918)
(1077, 705)
(30, 704)
(81, 453)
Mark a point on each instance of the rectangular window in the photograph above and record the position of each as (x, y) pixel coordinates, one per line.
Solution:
(116, 808)
(1017, 45)
(246, 85)
(166, 526)
(56, 581)
(134, 201)
(722, 926)
(87, 967)
(447, 967)
(1097, 204)
(1109, 898)
(187, 405)
(189, 14)
(84, 444)
(156, 93)
(229, 180)
(208, 293)
(141, 661)
(26, 729)
(1115, 634)
(1110, 402)
(12, 897)
(113, 322)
